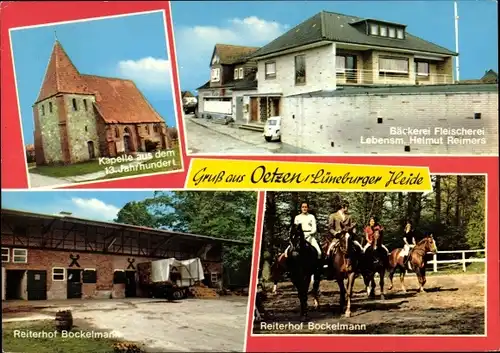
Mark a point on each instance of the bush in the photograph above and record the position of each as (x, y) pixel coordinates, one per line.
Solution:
(173, 134)
(30, 157)
(151, 146)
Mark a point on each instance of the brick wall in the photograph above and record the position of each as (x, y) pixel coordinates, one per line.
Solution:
(315, 124)
(104, 265)
(320, 72)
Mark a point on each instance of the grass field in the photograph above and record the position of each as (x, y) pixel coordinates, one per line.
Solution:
(444, 269)
(48, 344)
(117, 170)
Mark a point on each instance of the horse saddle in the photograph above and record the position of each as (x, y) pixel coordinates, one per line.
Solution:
(406, 260)
(333, 247)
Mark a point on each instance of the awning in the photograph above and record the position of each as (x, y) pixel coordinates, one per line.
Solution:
(264, 95)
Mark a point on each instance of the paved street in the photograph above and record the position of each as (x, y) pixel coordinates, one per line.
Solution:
(189, 325)
(208, 138)
(39, 181)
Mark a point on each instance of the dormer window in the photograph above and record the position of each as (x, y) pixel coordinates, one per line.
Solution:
(235, 74)
(240, 73)
(215, 60)
(215, 75)
(387, 30)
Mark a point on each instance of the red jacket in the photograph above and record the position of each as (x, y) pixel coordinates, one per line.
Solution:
(369, 231)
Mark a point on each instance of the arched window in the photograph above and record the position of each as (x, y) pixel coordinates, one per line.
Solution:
(117, 132)
(75, 106)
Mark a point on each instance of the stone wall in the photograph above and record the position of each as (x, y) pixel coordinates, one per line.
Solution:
(47, 131)
(355, 124)
(81, 127)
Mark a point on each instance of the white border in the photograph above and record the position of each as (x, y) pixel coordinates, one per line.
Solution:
(178, 119)
(332, 336)
(254, 267)
(64, 274)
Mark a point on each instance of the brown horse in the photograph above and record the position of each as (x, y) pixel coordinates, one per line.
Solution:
(416, 262)
(375, 260)
(346, 264)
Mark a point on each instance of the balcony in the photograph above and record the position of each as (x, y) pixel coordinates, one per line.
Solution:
(377, 77)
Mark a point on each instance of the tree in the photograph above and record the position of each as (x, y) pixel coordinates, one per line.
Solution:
(476, 226)
(227, 215)
(136, 213)
(434, 212)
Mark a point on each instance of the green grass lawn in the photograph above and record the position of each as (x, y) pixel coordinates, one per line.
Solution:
(78, 169)
(58, 344)
(448, 269)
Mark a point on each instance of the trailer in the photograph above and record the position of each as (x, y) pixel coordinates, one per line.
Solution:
(170, 278)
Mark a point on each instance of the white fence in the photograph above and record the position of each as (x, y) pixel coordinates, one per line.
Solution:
(464, 260)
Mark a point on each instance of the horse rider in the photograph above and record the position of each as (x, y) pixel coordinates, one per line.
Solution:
(338, 223)
(409, 233)
(371, 228)
(308, 222)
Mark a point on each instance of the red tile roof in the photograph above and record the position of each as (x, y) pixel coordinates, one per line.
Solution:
(61, 76)
(117, 100)
(120, 101)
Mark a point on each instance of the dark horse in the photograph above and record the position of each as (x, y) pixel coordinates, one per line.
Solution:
(302, 263)
(416, 262)
(278, 268)
(346, 261)
(375, 260)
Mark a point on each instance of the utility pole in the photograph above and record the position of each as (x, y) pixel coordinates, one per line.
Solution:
(457, 65)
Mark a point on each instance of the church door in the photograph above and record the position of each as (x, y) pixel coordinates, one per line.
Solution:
(126, 143)
(90, 146)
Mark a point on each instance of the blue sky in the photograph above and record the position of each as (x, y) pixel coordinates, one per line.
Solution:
(198, 26)
(96, 205)
(132, 47)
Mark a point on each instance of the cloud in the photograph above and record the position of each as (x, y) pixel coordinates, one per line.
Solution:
(195, 44)
(92, 209)
(149, 72)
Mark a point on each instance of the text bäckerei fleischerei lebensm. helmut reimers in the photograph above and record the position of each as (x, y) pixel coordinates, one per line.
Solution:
(429, 136)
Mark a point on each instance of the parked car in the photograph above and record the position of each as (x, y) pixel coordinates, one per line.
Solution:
(272, 129)
(189, 105)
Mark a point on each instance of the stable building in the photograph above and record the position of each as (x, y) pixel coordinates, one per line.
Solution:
(80, 117)
(48, 257)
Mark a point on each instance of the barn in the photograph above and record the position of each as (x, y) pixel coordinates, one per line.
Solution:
(47, 257)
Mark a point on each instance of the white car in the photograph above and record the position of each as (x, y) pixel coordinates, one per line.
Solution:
(272, 129)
